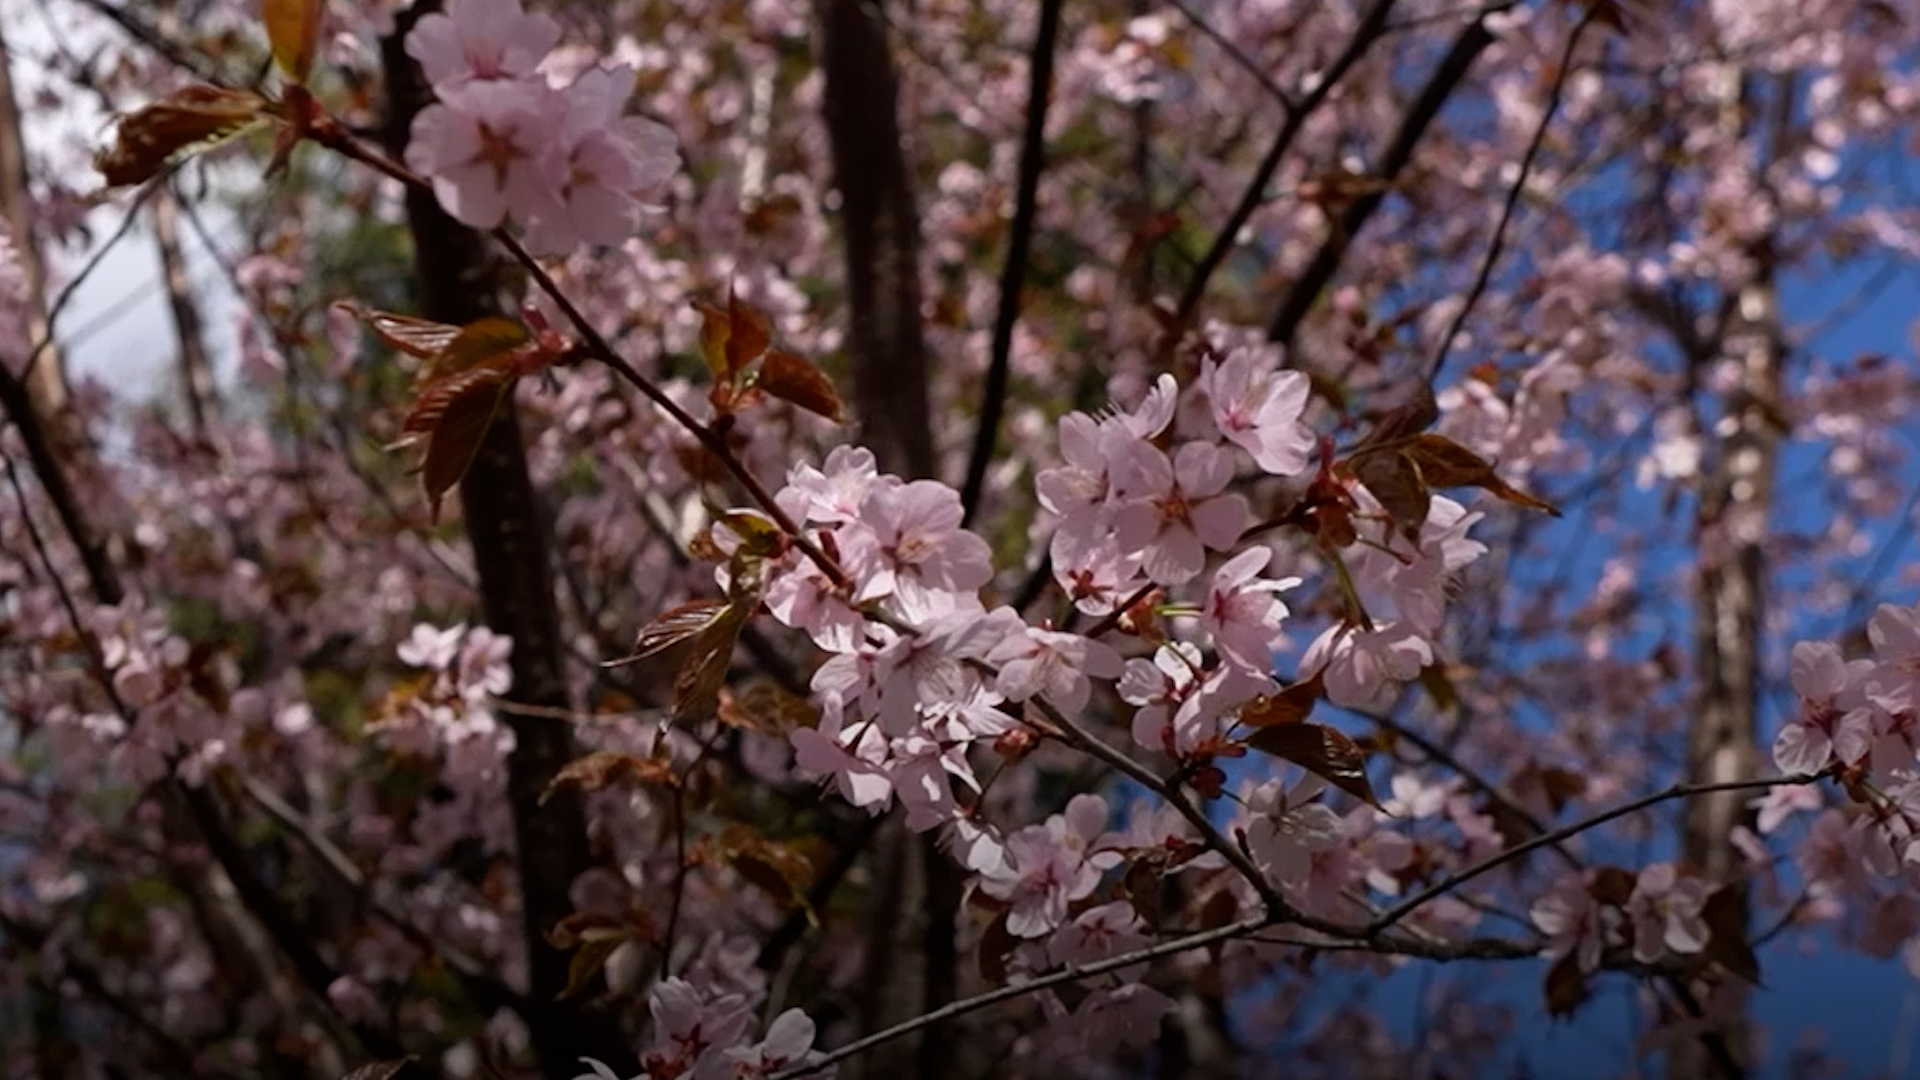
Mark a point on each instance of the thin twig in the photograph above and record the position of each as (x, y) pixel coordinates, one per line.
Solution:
(1493, 862)
(1364, 35)
(1498, 244)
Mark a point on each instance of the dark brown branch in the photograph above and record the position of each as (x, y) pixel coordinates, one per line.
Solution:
(1013, 276)
(458, 276)
(1447, 76)
(1498, 244)
(1372, 24)
(882, 229)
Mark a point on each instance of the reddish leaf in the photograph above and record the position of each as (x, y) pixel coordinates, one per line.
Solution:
(293, 28)
(996, 944)
(1290, 706)
(1726, 918)
(732, 337)
(604, 768)
(1566, 988)
(1443, 463)
(793, 378)
(190, 121)
(1439, 687)
(1321, 750)
(584, 926)
(751, 334)
(672, 627)
(757, 533)
(459, 410)
(483, 343)
(416, 337)
(696, 690)
(1394, 480)
(768, 865)
(1612, 885)
(1417, 415)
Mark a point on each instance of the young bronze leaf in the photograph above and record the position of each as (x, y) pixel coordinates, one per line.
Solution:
(1566, 988)
(716, 326)
(484, 342)
(1417, 415)
(293, 28)
(996, 945)
(1290, 706)
(605, 768)
(673, 627)
(588, 959)
(749, 337)
(190, 121)
(1326, 752)
(1393, 479)
(1443, 463)
(696, 691)
(462, 422)
(793, 378)
(1727, 945)
(423, 338)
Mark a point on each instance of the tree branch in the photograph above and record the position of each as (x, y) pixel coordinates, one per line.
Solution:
(1013, 276)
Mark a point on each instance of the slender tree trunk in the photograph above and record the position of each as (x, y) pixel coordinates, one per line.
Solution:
(197, 387)
(459, 277)
(882, 230)
(1735, 502)
(47, 383)
(911, 965)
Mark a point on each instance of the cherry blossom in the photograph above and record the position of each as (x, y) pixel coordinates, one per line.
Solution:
(480, 40)
(1259, 409)
(1665, 910)
(1242, 613)
(1174, 511)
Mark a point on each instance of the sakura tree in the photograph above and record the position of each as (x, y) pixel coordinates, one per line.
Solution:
(958, 539)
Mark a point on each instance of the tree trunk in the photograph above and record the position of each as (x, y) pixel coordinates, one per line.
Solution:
(1736, 499)
(196, 363)
(47, 382)
(458, 278)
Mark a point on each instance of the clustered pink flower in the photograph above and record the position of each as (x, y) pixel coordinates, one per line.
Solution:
(504, 141)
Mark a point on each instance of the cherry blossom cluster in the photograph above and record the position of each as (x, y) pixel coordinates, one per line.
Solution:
(701, 1033)
(565, 160)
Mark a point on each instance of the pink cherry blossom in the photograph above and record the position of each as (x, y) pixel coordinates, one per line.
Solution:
(913, 542)
(1828, 687)
(1242, 613)
(1574, 922)
(490, 150)
(480, 40)
(1053, 665)
(1358, 665)
(1258, 409)
(608, 165)
(1665, 909)
(1176, 510)
(1287, 829)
